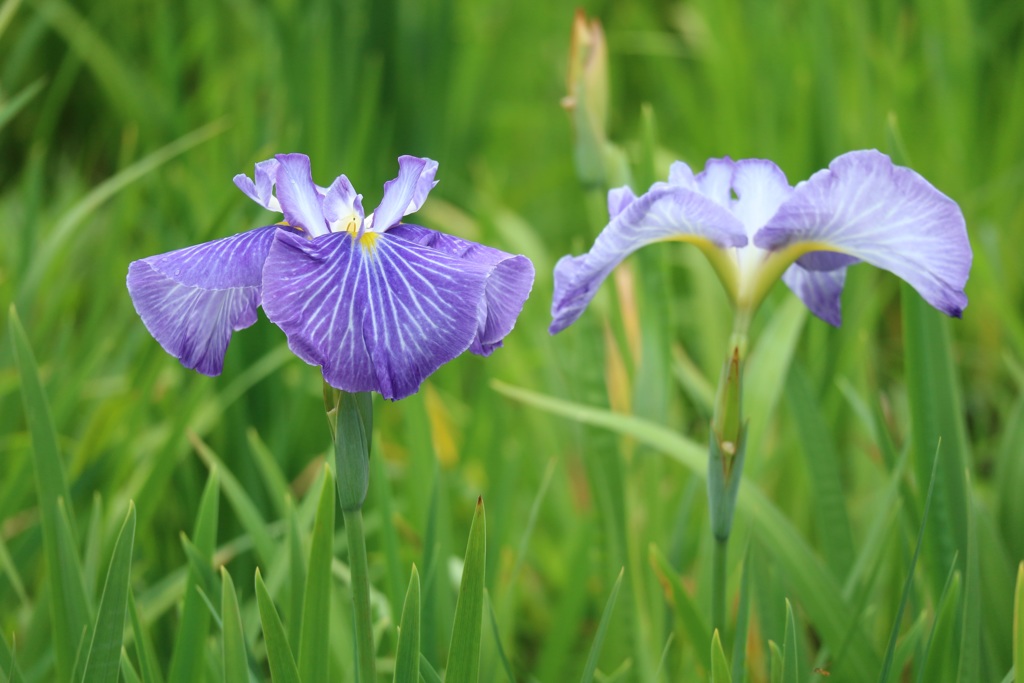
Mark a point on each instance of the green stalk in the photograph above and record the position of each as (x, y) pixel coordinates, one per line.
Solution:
(718, 577)
(366, 664)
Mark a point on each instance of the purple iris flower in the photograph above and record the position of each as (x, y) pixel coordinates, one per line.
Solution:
(378, 304)
(755, 228)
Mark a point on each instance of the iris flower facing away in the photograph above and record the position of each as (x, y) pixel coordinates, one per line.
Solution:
(378, 304)
(754, 228)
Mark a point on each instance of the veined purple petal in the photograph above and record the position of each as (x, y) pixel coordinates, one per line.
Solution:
(820, 290)
(508, 283)
(402, 192)
(300, 201)
(715, 181)
(663, 213)
(424, 184)
(341, 201)
(887, 215)
(192, 299)
(261, 191)
(379, 314)
(761, 188)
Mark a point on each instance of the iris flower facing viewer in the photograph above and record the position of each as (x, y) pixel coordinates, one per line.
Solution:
(755, 228)
(378, 304)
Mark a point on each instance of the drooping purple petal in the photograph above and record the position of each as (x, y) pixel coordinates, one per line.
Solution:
(820, 290)
(402, 192)
(192, 299)
(508, 283)
(261, 191)
(663, 213)
(866, 207)
(378, 314)
(300, 201)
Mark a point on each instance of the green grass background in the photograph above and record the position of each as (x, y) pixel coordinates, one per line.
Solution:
(121, 125)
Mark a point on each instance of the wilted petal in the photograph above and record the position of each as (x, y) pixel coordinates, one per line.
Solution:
(864, 206)
(508, 283)
(192, 299)
(664, 213)
(261, 191)
(300, 201)
(403, 192)
(820, 290)
(379, 314)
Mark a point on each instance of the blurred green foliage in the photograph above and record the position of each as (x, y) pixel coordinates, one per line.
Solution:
(121, 125)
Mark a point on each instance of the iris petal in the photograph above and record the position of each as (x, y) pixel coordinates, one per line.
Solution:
(405, 193)
(508, 283)
(820, 290)
(261, 190)
(192, 299)
(300, 201)
(866, 207)
(377, 314)
(341, 200)
(663, 213)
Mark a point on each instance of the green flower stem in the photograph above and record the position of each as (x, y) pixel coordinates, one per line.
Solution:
(366, 663)
(718, 577)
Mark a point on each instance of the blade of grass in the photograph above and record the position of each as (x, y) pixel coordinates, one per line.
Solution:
(719, 666)
(697, 630)
(496, 632)
(314, 640)
(103, 664)
(279, 654)
(8, 662)
(407, 657)
(236, 667)
(790, 656)
(602, 628)
(143, 645)
(890, 650)
(776, 663)
(739, 646)
(427, 671)
(69, 609)
(189, 642)
(10, 108)
(941, 654)
(464, 651)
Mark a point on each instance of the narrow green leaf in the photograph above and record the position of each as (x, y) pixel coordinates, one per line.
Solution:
(9, 670)
(194, 626)
(104, 660)
(719, 666)
(273, 477)
(388, 534)
(128, 672)
(690, 618)
(68, 609)
(908, 585)
(815, 586)
(1018, 621)
(776, 662)
(823, 463)
(464, 651)
(739, 646)
(279, 654)
(790, 657)
(296, 575)
(314, 640)
(11, 107)
(248, 514)
(940, 657)
(143, 645)
(236, 667)
(10, 570)
(496, 632)
(602, 628)
(407, 658)
(199, 564)
(969, 669)
(427, 671)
